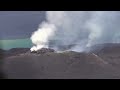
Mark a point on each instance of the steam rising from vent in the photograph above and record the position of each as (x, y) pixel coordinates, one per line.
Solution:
(42, 35)
(77, 30)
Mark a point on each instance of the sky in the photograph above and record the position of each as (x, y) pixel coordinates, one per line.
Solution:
(19, 24)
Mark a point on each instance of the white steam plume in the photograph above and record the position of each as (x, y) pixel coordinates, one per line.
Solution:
(77, 30)
(41, 37)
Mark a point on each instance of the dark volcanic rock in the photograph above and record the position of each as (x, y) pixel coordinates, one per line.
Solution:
(2, 52)
(16, 51)
(43, 51)
(109, 52)
(102, 62)
(67, 65)
(9, 53)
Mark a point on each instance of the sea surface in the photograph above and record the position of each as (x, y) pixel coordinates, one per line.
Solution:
(15, 43)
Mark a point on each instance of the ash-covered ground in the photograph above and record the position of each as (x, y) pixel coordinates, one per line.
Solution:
(102, 62)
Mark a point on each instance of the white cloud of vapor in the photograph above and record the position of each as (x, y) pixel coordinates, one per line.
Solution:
(76, 30)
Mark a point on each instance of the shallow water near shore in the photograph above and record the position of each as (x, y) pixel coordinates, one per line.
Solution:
(16, 43)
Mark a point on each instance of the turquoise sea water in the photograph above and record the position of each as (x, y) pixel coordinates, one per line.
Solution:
(16, 43)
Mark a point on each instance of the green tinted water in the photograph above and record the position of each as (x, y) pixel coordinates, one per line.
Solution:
(17, 43)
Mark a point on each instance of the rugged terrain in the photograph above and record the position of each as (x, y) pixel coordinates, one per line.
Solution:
(101, 62)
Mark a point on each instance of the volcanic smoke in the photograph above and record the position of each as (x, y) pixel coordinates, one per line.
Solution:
(77, 30)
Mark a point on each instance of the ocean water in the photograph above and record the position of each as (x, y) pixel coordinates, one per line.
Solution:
(16, 43)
